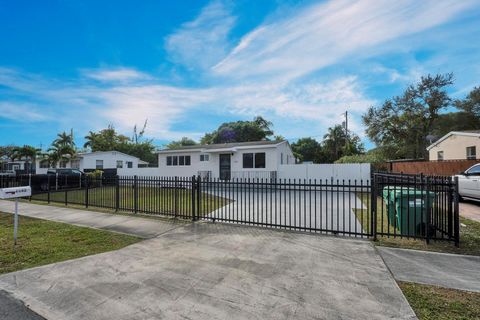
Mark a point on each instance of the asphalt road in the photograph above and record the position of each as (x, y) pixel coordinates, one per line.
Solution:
(13, 309)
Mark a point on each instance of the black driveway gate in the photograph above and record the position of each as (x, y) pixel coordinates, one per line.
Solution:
(394, 205)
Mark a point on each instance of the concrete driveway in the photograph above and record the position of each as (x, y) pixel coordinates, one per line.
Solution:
(218, 271)
(470, 209)
(321, 210)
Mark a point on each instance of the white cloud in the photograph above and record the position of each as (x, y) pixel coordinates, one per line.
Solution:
(116, 74)
(202, 42)
(319, 101)
(322, 34)
(264, 74)
(21, 112)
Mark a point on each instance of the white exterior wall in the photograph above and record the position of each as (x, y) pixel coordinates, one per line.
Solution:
(182, 171)
(284, 151)
(88, 161)
(337, 171)
(455, 147)
(270, 160)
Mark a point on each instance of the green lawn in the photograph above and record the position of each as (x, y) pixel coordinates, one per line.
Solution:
(436, 303)
(150, 199)
(469, 234)
(42, 242)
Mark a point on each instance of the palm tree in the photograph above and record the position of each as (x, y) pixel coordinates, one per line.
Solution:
(28, 153)
(62, 149)
(64, 139)
(91, 139)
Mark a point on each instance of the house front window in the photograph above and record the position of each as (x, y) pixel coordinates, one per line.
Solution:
(75, 164)
(260, 160)
(440, 155)
(129, 164)
(254, 160)
(44, 164)
(247, 160)
(178, 160)
(63, 164)
(99, 164)
(472, 153)
(119, 164)
(204, 157)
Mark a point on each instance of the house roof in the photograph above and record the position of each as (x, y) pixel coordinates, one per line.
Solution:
(222, 146)
(466, 133)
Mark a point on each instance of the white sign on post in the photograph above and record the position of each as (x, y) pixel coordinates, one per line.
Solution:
(15, 193)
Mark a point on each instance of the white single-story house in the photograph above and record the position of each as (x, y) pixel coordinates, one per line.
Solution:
(19, 166)
(90, 161)
(258, 159)
(456, 145)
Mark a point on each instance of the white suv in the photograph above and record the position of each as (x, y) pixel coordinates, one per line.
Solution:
(469, 182)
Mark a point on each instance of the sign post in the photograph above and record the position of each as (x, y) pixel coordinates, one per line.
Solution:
(15, 193)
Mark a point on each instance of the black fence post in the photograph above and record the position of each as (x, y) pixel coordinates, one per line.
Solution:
(456, 215)
(428, 210)
(175, 196)
(30, 185)
(86, 191)
(135, 194)
(373, 206)
(451, 200)
(117, 193)
(193, 192)
(48, 189)
(199, 206)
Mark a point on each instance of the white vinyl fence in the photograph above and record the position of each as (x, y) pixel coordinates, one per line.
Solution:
(348, 171)
(336, 171)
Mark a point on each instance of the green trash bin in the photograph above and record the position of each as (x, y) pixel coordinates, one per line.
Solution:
(389, 197)
(411, 208)
(407, 208)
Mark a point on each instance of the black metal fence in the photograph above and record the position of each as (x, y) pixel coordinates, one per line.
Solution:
(416, 206)
(405, 206)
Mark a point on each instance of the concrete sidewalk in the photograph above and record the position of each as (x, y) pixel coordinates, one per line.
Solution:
(442, 269)
(137, 226)
(209, 271)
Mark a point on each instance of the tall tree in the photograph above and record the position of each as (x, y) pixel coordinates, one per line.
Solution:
(180, 143)
(109, 139)
(453, 121)
(471, 104)
(29, 154)
(402, 124)
(338, 143)
(307, 149)
(8, 152)
(105, 140)
(65, 140)
(240, 131)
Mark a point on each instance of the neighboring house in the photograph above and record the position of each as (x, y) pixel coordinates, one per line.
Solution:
(90, 161)
(19, 166)
(456, 145)
(259, 159)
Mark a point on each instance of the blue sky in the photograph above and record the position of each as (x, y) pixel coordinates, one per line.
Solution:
(188, 66)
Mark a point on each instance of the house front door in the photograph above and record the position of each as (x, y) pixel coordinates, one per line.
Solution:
(225, 166)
